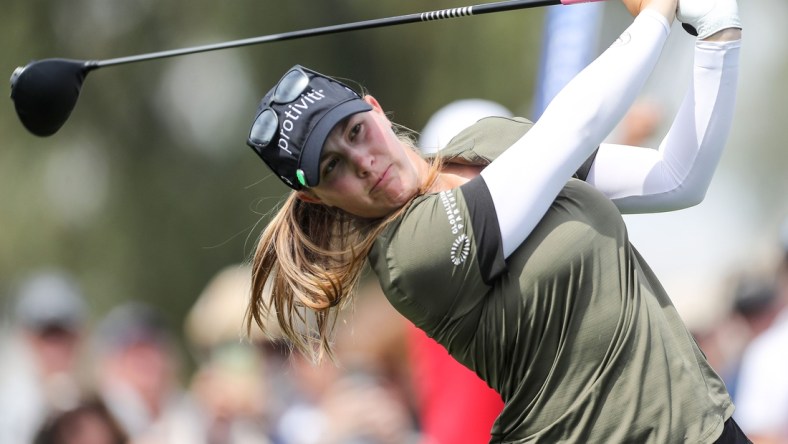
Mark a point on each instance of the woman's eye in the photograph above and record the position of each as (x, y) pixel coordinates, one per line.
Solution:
(354, 131)
(330, 165)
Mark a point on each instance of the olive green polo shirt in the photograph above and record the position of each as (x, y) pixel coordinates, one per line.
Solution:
(573, 329)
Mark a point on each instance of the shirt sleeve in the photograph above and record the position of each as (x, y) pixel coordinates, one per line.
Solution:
(487, 234)
(446, 245)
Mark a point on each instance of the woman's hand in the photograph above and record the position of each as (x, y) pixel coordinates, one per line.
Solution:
(665, 7)
(634, 6)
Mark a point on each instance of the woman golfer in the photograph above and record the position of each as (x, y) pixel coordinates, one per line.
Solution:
(510, 249)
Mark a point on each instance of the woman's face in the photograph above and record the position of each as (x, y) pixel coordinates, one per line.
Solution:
(365, 169)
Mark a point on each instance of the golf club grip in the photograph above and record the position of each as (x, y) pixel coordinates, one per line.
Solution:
(367, 24)
(466, 11)
(496, 7)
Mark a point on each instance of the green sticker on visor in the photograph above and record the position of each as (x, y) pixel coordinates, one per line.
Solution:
(301, 177)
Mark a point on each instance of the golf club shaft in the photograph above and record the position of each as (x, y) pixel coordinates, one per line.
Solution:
(366, 24)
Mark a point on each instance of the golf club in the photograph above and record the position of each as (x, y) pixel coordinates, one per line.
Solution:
(46, 91)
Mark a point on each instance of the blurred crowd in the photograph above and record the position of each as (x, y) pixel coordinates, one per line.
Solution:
(67, 380)
(120, 379)
(746, 343)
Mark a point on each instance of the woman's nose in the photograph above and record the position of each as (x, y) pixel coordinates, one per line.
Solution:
(362, 162)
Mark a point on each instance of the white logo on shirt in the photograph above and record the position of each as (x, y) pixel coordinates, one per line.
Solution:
(461, 245)
(456, 221)
(460, 249)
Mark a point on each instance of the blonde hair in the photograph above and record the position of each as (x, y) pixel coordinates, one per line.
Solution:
(308, 262)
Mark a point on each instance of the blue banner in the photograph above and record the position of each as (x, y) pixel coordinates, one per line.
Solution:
(571, 35)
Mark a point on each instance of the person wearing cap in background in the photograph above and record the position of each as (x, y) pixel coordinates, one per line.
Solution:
(232, 384)
(762, 391)
(724, 320)
(137, 367)
(454, 117)
(754, 308)
(41, 358)
(256, 392)
(522, 272)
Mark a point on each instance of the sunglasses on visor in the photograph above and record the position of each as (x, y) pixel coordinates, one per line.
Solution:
(266, 124)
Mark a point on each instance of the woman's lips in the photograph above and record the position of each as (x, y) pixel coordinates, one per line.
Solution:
(381, 178)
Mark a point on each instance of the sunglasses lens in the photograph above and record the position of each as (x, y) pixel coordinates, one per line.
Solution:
(264, 129)
(291, 86)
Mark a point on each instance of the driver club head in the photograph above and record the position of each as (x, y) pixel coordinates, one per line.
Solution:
(45, 92)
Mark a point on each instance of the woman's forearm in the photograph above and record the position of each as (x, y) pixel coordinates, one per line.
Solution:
(678, 174)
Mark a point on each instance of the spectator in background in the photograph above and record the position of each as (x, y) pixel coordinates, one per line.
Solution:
(725, 321)
(640, 124)
(88, 423)
(39, 375)
(258, 393)
(755, 307)
(454, 117)
(344, 405)
(365, 400)
(762, 401)
(137, 364)
(231, 385)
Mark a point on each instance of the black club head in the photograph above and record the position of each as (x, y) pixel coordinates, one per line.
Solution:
(45, 92)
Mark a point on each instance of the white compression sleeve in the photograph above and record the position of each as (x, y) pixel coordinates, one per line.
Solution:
(526, 178)
(678, 174)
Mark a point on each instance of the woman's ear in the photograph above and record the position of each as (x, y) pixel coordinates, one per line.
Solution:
(307, 196)
(377, 110)
(373, 102)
